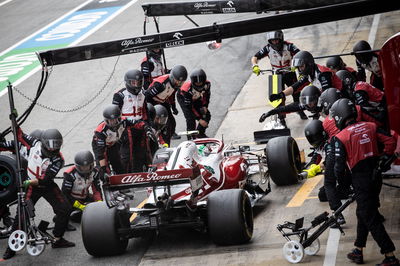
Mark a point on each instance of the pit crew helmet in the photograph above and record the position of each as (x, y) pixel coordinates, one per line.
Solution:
(84, 163)
(134, 81)
(198, 79)
(342, 111)
(37, 133)
(178, 76)
(335, 63)
(275, 35)
(112, 116)
(315, 133)
(327, 99)
(304, 62)
(309, 97)
(52, 141)
(363, 58)
(348, 82)
(161, 117)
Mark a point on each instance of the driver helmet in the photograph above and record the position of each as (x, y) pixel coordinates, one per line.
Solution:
(304, 62)
(178, 76)
(112, 116)
(315, 133)
(52, 141)
(161, 117)
(348, 82)
(327, 98)
(363, 58)
(343, 110)
(309, 97)
(134, 81)
(198, 79)
(84, 163)
(335, 63)
(275, 39)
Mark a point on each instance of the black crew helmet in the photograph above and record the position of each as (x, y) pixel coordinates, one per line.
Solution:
(309, 97)
(161, 117)
(84, 162)
(112, 116)
(335, 63)
(343, 110)
(178, 76)
(198, 79)
(363, 58)
(327, 99)
(52, 141)
(151, 112)
(275, 35)
(315, 133)
(37, 133)
(133, 81)
(348, 82)
(306, 59)
(155, 53)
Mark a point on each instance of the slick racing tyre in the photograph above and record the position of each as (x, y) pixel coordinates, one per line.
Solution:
(230, 217)
(283, 159)
(8, 181)
(99, 231)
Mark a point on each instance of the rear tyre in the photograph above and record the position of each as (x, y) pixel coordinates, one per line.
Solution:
(99, 231)
(283, 159)
(230, 217)
(8, 178)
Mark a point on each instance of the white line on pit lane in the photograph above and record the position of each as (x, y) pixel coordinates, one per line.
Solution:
(90, 32)
(5, 2)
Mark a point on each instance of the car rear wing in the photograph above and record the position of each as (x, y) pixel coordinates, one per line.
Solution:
(157, 178)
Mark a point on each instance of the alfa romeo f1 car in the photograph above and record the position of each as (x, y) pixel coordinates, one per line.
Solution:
(200, 184)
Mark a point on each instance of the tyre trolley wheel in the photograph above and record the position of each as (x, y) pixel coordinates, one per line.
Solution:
(313, 248)
(35, 250)
(293, 251)
(17, 240)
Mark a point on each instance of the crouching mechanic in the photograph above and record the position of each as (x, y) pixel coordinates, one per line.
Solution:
(77, 181)
(44, 162)
(357, 145)
(194, 98)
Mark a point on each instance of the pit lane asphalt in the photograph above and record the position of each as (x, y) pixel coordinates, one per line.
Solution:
(228, 69)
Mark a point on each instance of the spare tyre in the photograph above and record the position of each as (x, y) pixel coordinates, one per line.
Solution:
(283, 160)
(8, 180)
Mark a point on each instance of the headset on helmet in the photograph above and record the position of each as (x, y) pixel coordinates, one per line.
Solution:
(178, 76)
(161, 117)
(112, 116)
(133, 81)
(198, 79)
(363, 58)
(343, 110)
(315, 133)
(335, 63)
(304, 59)
(309, 97)
(84, 162)
(275, 35)
(327, 98)
(52, 141)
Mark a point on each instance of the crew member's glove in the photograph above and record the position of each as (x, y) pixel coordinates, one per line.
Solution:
(256, 70)
(102, 172)
(149, 133)
(385, 162)
(274, 97)
(313, 170)
(174, 110)
(265, 115)
(26, 184)
(79, 205)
